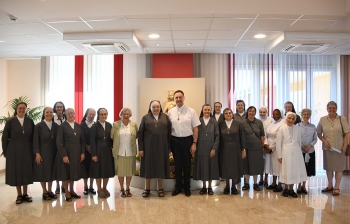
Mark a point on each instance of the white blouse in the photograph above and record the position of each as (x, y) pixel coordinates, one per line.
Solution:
(125, 140)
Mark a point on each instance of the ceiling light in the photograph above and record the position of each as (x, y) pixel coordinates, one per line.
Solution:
(154, 36)
(1, 41)
(157, 44)
(260, 36)
(189, 44)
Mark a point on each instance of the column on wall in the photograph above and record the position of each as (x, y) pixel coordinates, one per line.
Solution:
(78, 87)
(118, 85)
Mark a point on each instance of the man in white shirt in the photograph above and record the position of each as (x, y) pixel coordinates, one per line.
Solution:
(184, 137)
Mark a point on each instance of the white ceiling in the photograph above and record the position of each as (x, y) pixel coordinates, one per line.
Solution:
(191, 26)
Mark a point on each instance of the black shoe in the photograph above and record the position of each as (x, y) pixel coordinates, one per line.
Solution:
(63, 190)
(238, 181)
(176, 192)
(86, 191)
(227, 190)
(69, 199)
(293, 194)
(234, 190)
(285, 193)
(277, 189)
(261, 183)
(74, 195)
(92, 191)
(271, 187)
(187, 192)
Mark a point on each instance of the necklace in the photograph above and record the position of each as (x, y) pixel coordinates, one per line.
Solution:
(178, 114)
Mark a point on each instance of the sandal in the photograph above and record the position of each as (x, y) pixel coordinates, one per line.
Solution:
(107, 193)
(210, 191)
(145, 193)
(122, 194)
(327, 189)
(27, 198)
(256, 187)
(52, 195)
(128, 194)
(46, 196)
(19, 199)
(101, 194)
(203, 191)
(246, 187)
(161, 193)
(336, 192)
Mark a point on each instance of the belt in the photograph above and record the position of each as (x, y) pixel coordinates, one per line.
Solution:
(182, 137)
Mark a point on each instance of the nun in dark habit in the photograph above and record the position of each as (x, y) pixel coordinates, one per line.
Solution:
(71, 149)
(17, 146)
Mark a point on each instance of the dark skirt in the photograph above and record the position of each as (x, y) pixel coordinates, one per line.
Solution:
(85, 165)
(311, 165)
(253, 164)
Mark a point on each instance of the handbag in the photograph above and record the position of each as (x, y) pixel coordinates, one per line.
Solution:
(347, 152)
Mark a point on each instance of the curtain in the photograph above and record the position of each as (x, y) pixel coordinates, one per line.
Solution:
(59, 80)
(215, 69)
(98, 83)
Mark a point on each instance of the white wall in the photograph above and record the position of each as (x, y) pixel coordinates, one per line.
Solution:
(3, 99)
(19, 78)
(24, 79)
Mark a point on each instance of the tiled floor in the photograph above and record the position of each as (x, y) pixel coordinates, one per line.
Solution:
(247, 207)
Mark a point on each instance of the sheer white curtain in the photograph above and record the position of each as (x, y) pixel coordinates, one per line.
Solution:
(59, 80)
(134, 68)
(99, 83)
(309, 81)
(215, 69)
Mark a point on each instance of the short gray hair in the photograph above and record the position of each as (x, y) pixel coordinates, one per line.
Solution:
(123, 110)
(305, 110)
(332, 102)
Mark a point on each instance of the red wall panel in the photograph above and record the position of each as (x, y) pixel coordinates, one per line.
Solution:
(172, 66)
(79, 88)
(118, 85)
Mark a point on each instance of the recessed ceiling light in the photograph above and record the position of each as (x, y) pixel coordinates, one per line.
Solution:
(157, 44)
(260, 36)
(189, 44)
(2, 41)
(154, 36)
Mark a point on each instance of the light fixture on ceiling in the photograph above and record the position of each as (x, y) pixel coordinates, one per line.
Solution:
(1, 41)
(189, 44)
(13, 18)
(157, 44)
(154, 36)
(260, 36)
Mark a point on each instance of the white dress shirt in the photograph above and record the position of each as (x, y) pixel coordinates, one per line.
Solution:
(125, 140)
(183, 120)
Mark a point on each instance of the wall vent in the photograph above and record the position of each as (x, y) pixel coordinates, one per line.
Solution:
(305, 48)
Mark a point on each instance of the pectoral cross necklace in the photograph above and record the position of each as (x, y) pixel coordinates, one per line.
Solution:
(178, 114)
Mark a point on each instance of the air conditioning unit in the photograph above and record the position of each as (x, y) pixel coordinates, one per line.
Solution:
(107, 48)
(304, 48)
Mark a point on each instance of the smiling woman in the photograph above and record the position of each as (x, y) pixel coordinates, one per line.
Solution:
(17, 145)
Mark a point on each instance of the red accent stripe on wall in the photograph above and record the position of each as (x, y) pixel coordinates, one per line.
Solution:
(79, 88)
(172, 66)
(118, 85)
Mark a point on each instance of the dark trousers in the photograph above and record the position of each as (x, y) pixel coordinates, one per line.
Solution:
(180, 147)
